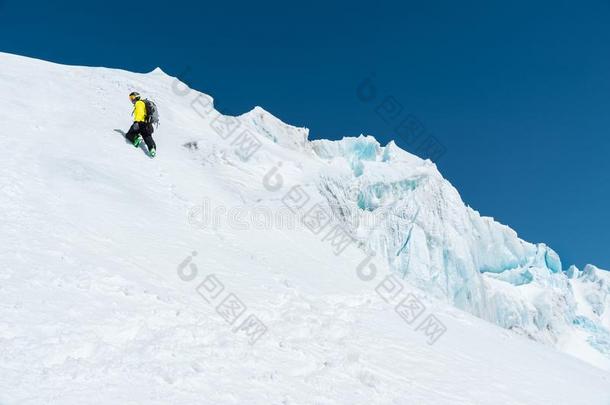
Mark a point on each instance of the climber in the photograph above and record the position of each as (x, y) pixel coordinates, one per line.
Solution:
(142, 128)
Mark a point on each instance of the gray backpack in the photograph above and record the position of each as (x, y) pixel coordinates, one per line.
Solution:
(152, 113)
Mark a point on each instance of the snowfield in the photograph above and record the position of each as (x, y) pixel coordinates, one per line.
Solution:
(246, 264)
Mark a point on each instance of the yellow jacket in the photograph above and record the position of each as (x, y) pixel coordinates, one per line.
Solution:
(139, 111)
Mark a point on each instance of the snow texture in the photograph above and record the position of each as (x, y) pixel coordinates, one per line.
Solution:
(114, 288)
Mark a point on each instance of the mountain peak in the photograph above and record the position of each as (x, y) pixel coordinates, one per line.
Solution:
(293, 268)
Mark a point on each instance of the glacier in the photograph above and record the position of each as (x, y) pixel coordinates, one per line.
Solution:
(93, 231)
(429, 236)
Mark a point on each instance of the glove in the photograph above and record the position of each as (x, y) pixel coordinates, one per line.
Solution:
(136, 126)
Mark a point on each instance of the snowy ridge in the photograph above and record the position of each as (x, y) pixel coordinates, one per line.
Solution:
(284, 135)
(92, 308)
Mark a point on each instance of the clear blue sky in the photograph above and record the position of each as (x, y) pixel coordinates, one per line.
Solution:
(517, 92)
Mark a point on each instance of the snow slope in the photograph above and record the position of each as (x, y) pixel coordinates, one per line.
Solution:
(102, 299)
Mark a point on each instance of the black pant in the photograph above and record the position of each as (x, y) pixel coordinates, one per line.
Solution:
(144, 129)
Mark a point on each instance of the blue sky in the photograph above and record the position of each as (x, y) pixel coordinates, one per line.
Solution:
(518, 93)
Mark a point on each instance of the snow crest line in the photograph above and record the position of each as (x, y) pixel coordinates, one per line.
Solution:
(407, 127)
(245, 144)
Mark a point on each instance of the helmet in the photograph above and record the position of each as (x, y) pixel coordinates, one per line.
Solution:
(134, 96)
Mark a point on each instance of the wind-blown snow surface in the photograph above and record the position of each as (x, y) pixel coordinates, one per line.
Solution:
(94, 233)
